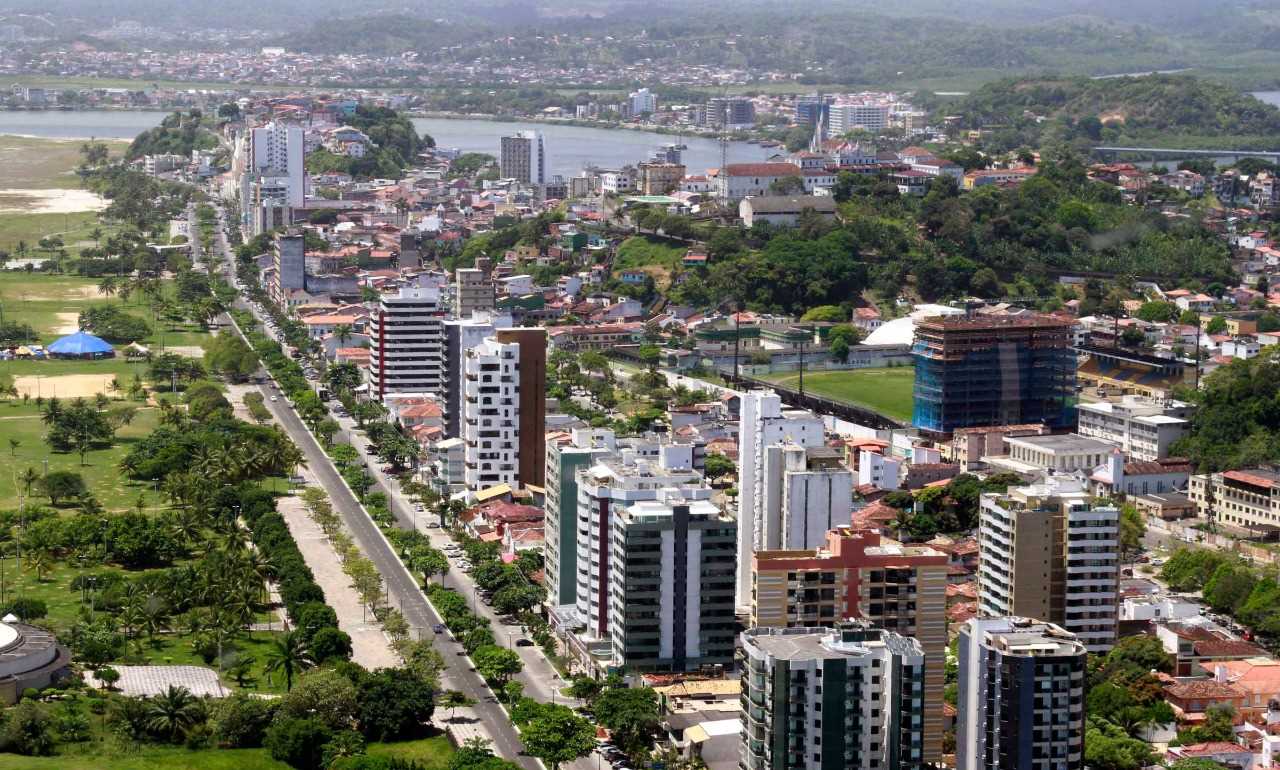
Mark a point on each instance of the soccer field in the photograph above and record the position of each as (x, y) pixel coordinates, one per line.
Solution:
(886, 390)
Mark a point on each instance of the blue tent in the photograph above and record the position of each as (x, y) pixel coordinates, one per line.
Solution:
(81, 345)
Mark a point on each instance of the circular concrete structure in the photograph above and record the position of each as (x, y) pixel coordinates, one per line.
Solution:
(29, 657)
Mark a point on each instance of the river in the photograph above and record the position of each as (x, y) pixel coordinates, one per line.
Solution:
(79, 124)
(1270, 97)
(569, 148)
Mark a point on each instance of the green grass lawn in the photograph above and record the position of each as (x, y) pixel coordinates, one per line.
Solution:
(101, 467)
(146, 758)
(52, 304)
(886, 390)
(31, 163)
(646, 251)
(433, 753)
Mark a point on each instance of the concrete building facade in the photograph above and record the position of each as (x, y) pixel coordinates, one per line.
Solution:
(763, 423)
(407, 336)
(671, 584)
(566, 455)
(1021, 700)
(830, 699)
(1048, 552)
(858, 575)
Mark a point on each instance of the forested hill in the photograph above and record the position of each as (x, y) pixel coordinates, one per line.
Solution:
(1164, 110)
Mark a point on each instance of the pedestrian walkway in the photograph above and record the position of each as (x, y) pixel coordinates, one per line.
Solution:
(369, 645)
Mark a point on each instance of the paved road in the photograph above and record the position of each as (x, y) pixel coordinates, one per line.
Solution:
(538, 677)
(402, 588)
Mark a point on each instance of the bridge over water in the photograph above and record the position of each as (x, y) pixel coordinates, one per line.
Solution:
(1157, 152)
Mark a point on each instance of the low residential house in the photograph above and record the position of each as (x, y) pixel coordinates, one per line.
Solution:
(1198, 647)
(785, 210)
(322, 325)
(1200, 303)
(1224, 753)
(867, 319)
(1169, 506)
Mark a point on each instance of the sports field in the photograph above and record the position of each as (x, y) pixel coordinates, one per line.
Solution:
(887, 390)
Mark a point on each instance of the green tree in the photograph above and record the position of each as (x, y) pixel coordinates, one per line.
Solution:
(173, 712)
(61, 486)
(1132, 527)
(324, 695)
(496, 664)
(631, 713)
(394, 705)
(558, 736)
(719, 466)
(298, 742)
(288, 655)
(454, 700)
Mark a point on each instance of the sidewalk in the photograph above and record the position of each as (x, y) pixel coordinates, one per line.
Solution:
(369, 646)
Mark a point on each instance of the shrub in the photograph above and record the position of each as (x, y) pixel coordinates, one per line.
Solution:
(298, 742)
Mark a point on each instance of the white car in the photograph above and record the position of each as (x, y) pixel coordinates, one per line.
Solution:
(274, 399)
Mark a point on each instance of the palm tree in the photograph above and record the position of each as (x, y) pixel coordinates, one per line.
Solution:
(173, 712)
(40, 561)
(289, 655)
(155, 616)
(342, 332)
(108, 286)
(28, 479)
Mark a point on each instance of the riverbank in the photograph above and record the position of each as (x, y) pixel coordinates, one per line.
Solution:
(579, 123)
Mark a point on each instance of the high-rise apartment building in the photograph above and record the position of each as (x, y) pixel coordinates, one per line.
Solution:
(523, 157)
(407, 343)
(806, 492)
(1021, 700)
(460, 335)
(671, 584)
(1047, 552)
(605, 487)
(643, 102)
(813, 110)
(290, 262)
(859, 575)
(868, 116)
(763, 424)
(531, 426)
(821, 699)
(976, 371)
(566, 455)
(271, 170)
(491, 415)
(731, 112)
(473, 290)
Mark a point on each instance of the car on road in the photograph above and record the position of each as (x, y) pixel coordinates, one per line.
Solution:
(274, 398)
(522, 642)
(438, 628)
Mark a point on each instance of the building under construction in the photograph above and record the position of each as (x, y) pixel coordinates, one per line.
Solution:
(975, 370)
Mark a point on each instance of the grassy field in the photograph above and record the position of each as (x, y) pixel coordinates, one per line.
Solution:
(887, 391)
(100, 471)
(147, 758)
(31, 163)
(433, 753)
(658, 257)
(51, 304)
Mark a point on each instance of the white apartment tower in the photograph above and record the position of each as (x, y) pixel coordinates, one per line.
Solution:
(1048, 552)
(272, 174)
(607, 486)
(764, 424)
(523, 157)
(491, 414)
(807, 491)
(407, 343)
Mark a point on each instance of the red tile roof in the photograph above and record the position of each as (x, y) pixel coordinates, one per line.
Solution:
(762, 169)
